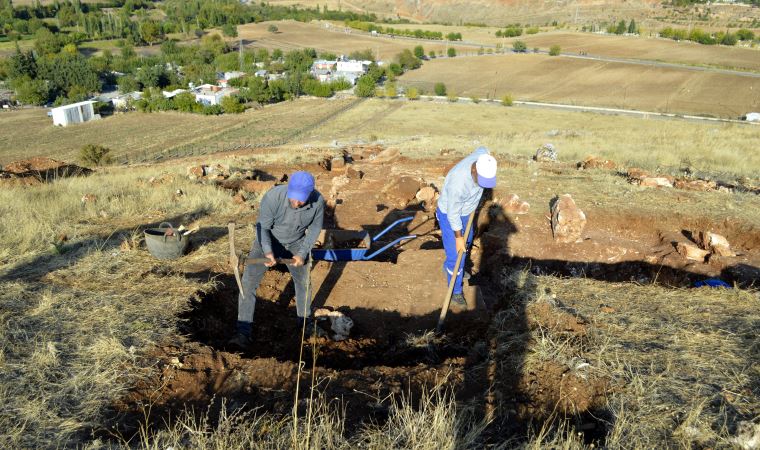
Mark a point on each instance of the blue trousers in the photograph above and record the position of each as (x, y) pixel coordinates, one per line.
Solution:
(450, 246)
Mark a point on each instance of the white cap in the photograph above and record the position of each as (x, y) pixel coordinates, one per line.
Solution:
(486, 168)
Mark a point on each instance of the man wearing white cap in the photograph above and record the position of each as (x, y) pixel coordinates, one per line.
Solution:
(460, 196)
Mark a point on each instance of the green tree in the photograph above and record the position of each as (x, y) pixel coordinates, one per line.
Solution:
(151, 32)
(507, 100)
(632, 28)
(519, 47)
(365, 87)
(621, 28)
(419, 52)
(232, 105)
(431, 54)
(451, 52)
(407, 60)
(229, 30)
(29, 91)
(412, 93)
(273, 28)
(439, 89)
(554, 50)
(745, 35)
(185, 102)
(46, 43)
(128, 83)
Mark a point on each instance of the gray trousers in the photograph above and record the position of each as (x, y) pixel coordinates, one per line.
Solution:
(255, 272)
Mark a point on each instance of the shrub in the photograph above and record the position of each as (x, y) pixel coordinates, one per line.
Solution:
(507, 100)
(451, 52)
(554, 50)
(273, 28)
(519, 47)
(452, 97)
(481, 51)
(745, 35)
(412, 93)
(390, 90)
(431, 55)
(475, 99)
(232, 105)
(532, 30)
(439, 89)
(230, 30)
(365, 87)
(94, 155)
(419, 52)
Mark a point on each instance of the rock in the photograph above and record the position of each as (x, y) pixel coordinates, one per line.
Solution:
(607, 309)
(696, 185)
(691, 252)
(402, 190)
(513, 205)
(337, 163)
(716, 244)
(568, 220)
(352, 173)
(446, 151)
(196, 172)
(239, 198)
(747, 436)
(340, 323)
(89, 198)
(592, 162)
(546, 153)
(385, 156)
(656, 182)
(337, 183)
(636, 174)
(427, 194)
(256, 186)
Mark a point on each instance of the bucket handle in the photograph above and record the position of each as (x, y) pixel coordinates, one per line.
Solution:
(174, 233)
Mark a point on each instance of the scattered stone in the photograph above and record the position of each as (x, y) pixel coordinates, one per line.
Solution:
(568, 220)
(337, 183)
(546, 153)
(239, 198)
(386, 156)
(607, 309)
(352, 173)
(691, 252)
(402, 190)
(89, 198)
(716, 243)
(696, 185)
(747, 436)
(256, 186)
(656, 182)
(337, 163)
(340, 323)
(446, 151)
(196, 172)
(427, 194)
(636, 174)
(592, 162)
(513, 205)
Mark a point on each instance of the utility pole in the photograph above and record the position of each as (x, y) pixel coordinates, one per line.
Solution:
(240, 54)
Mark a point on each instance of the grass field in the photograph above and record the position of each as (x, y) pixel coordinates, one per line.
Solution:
(520, 131)
(592, 83)
(294, 35)
(649, 49)
(30, 132)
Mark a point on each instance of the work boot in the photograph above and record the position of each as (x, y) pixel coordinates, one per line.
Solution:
(240, 341)
(458, 301)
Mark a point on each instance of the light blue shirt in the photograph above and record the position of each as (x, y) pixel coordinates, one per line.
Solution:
(461, 194)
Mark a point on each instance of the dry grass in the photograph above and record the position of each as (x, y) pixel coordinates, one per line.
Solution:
(649, 49)
(295, 35)
(539, 77)
(30, 132)
(422, 129)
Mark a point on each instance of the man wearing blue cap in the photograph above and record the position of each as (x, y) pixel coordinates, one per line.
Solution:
(290, 219)
(460, 197)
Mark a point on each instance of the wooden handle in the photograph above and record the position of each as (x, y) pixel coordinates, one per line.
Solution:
(454, 276)
(248, 261)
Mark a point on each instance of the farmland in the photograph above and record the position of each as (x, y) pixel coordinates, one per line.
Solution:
(595, 83)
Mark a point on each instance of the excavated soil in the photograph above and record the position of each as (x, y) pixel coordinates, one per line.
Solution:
(394, 302)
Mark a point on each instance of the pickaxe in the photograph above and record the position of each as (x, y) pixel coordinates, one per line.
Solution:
(236, 260)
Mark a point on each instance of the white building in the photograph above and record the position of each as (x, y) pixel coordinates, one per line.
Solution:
(74, 113)
(351, 66)
(752, 117)
(209, 94)
(174, 93)
(121, 101)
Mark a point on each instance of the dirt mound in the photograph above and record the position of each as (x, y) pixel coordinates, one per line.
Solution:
(34, 171)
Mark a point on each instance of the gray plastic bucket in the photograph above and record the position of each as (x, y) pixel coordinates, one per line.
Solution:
(166, 247)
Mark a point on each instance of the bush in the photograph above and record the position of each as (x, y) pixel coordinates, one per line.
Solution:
(439, 89)
(273, 29)
(230, 30)
(519, 47)
(451, 52)
(507, 100)
(452, 97)
(365, 87)
(232, 105)
(419, 52)
(94, 155)
(554, 50)
(390, 90)
(431, 55)
(475, 99)
(745, 35)
(412, 93)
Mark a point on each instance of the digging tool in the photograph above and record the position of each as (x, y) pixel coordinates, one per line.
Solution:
(234, 259)
(450, 291)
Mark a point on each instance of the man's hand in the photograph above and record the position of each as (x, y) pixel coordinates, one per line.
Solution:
(297, 261)
(460, 245)
(272, 261)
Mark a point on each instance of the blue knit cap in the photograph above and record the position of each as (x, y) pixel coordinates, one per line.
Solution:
(300, 186)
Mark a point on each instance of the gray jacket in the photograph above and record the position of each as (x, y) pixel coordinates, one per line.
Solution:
(289, 226)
